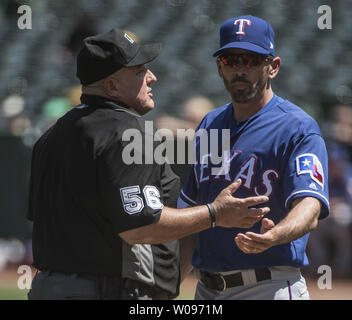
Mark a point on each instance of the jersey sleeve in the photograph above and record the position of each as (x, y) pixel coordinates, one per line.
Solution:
(132, 194)
(306, 172)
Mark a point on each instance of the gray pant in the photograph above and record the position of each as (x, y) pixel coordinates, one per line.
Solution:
(287, 283)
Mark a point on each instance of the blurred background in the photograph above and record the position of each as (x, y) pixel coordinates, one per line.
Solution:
(38, 85)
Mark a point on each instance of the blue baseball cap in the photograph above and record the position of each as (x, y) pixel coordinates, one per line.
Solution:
(248, 33)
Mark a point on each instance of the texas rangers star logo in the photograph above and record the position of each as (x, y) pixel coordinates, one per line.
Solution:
(309, 163)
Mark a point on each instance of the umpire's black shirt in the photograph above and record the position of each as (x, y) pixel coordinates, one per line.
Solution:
(82, 194)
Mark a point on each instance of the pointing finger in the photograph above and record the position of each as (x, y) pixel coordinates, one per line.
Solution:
(234, 186)
(252, 201)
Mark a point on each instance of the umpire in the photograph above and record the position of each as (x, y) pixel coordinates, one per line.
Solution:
(97, 221)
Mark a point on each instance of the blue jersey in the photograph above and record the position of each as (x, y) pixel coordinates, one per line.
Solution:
(278, 152)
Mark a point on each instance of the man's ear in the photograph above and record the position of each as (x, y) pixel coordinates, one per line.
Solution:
(218, 64)
(110, 86)
(274, 67)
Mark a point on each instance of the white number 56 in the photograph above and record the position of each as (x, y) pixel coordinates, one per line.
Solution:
(133, 203)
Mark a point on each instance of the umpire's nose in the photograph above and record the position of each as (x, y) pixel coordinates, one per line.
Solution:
(151, 78)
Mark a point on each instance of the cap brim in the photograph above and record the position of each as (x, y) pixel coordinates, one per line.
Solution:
(242, 45)
(145, 54)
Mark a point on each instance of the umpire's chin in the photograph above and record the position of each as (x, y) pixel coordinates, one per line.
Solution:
(145, 106)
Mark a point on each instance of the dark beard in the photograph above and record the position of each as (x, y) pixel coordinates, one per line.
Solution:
(247, 94)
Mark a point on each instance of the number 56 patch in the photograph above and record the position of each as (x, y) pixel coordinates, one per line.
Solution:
(133, 203)
(309, 163)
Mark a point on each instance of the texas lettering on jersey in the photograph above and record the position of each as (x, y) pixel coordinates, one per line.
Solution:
(246, 172)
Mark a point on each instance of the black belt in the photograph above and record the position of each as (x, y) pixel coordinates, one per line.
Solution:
(221, 282)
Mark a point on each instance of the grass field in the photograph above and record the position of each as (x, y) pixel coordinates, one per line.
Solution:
(8, 286)
(341, 288)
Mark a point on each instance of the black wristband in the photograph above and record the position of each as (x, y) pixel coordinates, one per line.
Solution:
(212, 215)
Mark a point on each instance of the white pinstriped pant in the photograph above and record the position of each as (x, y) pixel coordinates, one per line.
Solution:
(287, 283)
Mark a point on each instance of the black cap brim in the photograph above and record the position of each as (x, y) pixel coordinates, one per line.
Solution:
(145, 54)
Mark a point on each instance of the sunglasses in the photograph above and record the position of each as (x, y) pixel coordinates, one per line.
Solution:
(248, 59)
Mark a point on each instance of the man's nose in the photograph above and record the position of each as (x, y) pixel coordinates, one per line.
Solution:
(240, 66)
(240, 70)
(151, 78)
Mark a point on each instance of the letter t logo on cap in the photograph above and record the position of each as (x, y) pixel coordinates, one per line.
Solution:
(242, 23)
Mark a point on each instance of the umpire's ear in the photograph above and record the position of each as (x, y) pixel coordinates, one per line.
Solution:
(218, 63)
(110, 87)
(274, 67)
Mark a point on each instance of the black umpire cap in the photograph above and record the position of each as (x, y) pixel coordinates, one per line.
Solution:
(105, 53)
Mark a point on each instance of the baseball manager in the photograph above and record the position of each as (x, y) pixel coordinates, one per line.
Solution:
(278, 151)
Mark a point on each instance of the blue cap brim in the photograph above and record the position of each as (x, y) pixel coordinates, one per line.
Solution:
(242, 45)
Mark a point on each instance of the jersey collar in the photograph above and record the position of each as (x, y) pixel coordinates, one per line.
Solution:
(101, 102)
(97, 102)
(237, 127)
